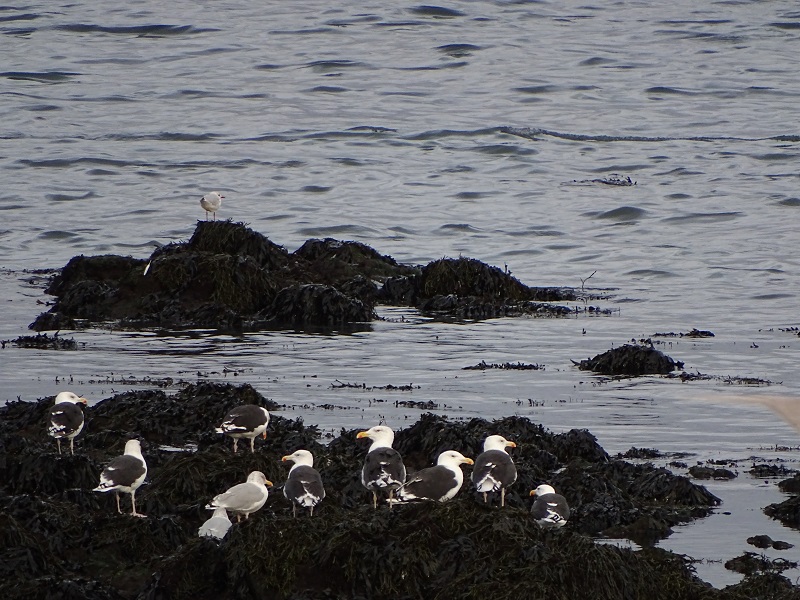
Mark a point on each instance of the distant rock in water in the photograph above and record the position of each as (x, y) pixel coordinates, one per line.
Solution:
(631, 359)
(228, 276)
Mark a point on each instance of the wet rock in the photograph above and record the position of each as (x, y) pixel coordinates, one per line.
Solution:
(630, 359)
(787, 512)
(228, 276)
(764, 541)
(42, 341)
(54, 527)
(317, 305)
(791, 485)
(749, 563)
(642, 453)
(701, 472)
(772, 586)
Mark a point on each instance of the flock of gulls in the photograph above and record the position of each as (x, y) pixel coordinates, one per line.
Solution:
(383, 473)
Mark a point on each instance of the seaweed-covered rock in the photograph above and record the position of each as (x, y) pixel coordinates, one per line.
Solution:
(787, 512)
(317, 305)
(228, 276)
(631, 359)
(53, 527)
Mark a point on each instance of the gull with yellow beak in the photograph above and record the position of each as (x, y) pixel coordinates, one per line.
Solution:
(494, 470)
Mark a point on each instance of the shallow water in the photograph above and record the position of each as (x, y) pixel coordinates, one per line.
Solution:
(473, 129)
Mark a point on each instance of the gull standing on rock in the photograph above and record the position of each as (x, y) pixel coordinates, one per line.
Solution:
(246, 421)
(125, 474)
(549, 509)
(304, 486)
(494, 470)
(66, 418)
(244, 498)
(211, 203)
(440, 483)
(383, 466)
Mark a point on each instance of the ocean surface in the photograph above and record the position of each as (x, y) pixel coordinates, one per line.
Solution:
(479, 129)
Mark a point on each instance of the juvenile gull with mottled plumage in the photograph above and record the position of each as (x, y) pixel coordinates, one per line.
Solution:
(304, 486)
(66, 418)
(125, 474)
(246, 421)
(383, 466)
(494, 470)
(439, 483)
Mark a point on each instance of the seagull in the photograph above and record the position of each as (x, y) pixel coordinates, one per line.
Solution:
(211, 203)
(304, 486)
(439, 483)
(494, 470)
(246, 421)
(66, 418)
(244, 498)
(217, 526)
(383, 466)
(549, 509)
(125, 474)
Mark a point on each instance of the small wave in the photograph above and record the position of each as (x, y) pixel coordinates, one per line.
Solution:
(140, 30)
(703, 217)
(473, 195)
(789, 25)
(328, 89)
(623, 213)
(438, 134)
(41, 77)
(164, 136)
(651, 273)
(661, 89)
(459, 227)
(436, 11)
(316, 189)
(68, 197)
(790, 202)
(326, 66)
(458, 50)
(535, 133)
(22, 17)
(595, 61)
(59, 235)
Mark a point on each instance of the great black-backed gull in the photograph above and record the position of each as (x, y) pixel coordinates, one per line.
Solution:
(125, 474)
(66, 418)
(440, 483)
(246, 421)
(383, 469)
(494, 470)
(304, 486)
(211, 203)
(217, 526)
(244, 498)
(549, 509)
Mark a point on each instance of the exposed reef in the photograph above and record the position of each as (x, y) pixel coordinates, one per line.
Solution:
(228, 276)
(63, 539)
(630, 360)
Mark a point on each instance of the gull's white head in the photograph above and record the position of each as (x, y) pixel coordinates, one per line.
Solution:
(542, 490)
(70, 397)
(497, 442)
(300, 457)
(259, 477)
(381, 436)
(451, 458)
